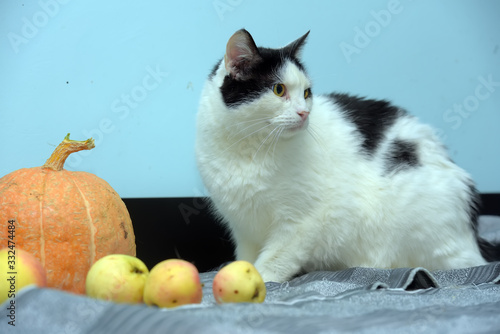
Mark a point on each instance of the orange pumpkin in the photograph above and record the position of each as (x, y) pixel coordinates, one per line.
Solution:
(68, 220)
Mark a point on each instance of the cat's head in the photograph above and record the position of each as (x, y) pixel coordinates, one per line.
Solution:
(268, 86)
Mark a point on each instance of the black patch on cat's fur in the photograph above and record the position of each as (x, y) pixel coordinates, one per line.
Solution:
(489, 251)
(402, 154)
(262, 72)
(263, 77)
(474, 207)
(371, 117)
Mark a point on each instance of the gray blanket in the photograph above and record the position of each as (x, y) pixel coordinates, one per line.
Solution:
(365, 300)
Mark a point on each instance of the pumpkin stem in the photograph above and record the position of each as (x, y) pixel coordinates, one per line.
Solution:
(64, 149)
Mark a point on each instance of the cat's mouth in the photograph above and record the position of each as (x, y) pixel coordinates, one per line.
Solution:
(301, 124)
(299, 127)
(291, 130)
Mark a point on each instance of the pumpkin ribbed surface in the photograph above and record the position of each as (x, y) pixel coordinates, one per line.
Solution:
(68, 220)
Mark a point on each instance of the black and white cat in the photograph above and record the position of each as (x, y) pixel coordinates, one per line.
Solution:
(308, 182)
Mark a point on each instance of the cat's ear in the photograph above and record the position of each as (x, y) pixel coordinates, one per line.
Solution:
(241, 54)
(294, 49)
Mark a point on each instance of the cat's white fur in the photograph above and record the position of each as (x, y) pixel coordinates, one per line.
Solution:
(301, 197)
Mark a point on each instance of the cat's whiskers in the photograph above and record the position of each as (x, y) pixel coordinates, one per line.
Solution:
(243, 138)
(317, 137)
(255, 122)
(275, 140)
(263, 142)
(249, 121)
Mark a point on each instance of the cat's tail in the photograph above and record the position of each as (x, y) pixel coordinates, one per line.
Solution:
(489, 250)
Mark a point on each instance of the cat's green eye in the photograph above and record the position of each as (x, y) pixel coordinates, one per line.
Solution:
(307, 93)
(279, 89)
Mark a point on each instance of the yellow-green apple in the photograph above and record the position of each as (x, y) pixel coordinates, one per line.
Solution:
(19, 268)
(117, 277)
(172, 283)
(239, 282)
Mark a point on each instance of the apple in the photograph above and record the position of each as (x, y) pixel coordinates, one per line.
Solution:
(172, 283)
(26, 270)
(117, 277)
(239, 282)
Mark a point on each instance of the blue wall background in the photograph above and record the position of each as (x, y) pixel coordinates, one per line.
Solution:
(130, 73)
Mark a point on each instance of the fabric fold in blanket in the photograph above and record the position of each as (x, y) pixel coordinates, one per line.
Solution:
(357, 299)
(363, 300)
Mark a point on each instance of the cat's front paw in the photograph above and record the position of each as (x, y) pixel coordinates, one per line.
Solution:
(272, 276)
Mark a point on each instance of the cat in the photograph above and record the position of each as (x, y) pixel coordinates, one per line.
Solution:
(327, 182)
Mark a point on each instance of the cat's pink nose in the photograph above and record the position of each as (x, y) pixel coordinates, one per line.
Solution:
(303, 115)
